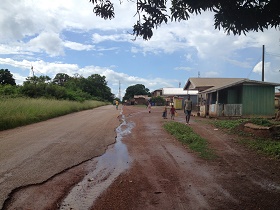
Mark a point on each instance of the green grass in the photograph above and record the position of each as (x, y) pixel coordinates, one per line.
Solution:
(261, 122)
(266, 146)
(228, 124)
(188, 137)
(16, 112)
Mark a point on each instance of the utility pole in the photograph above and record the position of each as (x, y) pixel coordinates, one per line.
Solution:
(32, 71)
(263, 63)
(119, 89)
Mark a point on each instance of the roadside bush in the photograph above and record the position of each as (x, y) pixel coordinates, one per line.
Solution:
(9, 90)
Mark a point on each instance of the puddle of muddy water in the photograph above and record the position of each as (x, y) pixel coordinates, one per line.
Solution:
(101, 175)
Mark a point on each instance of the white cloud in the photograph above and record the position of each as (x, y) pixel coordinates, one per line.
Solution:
(97, 38)
(49, 42)
(271, 74)
(24, 64)
(183, 68)
(244, 64)
(78, 46)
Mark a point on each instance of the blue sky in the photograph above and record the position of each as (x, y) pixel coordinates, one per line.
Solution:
(66, 37)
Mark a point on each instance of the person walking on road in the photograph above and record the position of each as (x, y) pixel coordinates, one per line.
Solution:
(188, 109)
(149, 107)
(164, 113)
(172, 112)
(117, 104)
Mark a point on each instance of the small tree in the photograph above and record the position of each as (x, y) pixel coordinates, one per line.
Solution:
(138, 89)
(61, 78)
(6, 78)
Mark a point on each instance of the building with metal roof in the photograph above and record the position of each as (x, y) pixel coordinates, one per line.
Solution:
(234, 97)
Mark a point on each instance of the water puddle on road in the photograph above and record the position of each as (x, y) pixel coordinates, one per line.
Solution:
(102, 173)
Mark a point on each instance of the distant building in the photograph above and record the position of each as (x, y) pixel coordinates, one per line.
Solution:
(176, 96)
(233, 97)
(141, 99)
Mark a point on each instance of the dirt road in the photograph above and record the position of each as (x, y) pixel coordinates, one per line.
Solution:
(149, 169)
(36, 153)
(166, 175)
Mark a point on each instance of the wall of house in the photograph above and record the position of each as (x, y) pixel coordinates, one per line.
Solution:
(225, 110)
(234, 95)
(258, 100)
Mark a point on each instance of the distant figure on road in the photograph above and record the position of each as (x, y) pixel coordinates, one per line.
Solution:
(164, 113)
(172, 112)
(149, 107)
(188, 109)
(117, 104)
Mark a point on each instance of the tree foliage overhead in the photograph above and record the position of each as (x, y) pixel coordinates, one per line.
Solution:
(234, 16)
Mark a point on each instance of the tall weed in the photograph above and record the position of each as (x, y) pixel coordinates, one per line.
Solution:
(16, 112)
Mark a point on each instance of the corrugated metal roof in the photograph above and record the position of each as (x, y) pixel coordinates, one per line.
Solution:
(205, 83)
(178, 91)
(244, 81)
(214, 84)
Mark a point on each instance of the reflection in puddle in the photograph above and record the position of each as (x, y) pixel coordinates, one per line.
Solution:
(103, 171)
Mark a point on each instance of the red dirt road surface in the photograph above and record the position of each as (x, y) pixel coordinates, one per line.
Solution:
(147, 168)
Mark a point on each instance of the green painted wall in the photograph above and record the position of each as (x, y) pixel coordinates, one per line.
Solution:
(258, 100)
(234, 95)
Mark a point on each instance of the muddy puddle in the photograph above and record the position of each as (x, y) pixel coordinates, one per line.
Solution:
(102, 171)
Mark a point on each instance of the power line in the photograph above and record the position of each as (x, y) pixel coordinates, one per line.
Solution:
(273, 54)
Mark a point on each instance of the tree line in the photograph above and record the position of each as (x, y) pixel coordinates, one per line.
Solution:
(65, 87)
(61, 87)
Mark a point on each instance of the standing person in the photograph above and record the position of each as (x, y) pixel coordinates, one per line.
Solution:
(149, 107)
(172, 112)
(188, 109)
(117, 104)
(164, 113)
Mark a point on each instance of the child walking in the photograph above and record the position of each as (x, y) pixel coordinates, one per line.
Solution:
(172, 112)
(164, 113)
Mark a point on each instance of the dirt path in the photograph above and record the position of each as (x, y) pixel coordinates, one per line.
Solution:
(166, 175)
(149, 169)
